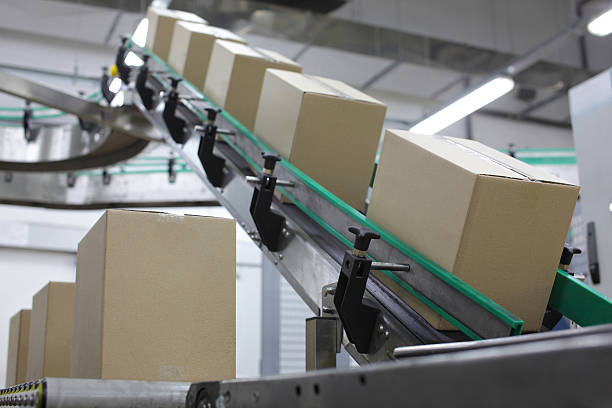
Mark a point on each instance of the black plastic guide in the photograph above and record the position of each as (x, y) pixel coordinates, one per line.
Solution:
(358, 315)
(269, 223)
(176, 126)
(213, 165)
(146, 93)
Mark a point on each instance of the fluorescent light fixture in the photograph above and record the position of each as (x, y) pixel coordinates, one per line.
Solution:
(140, 34)
(115, 85)
(602, 25)
(462, 107)
(610, 206)
(118, 100)
(133, 59)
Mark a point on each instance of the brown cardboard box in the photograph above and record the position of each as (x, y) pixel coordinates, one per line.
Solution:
(156, 298)
(235, 76)
(191, 47)
(161, 28)
(17, 358)
(51, 331)
(493, 221)
(326, 128)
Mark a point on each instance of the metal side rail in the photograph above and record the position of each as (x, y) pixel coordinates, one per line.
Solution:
(124, 119)
(304, 261)
(83, 393)
(560, 372)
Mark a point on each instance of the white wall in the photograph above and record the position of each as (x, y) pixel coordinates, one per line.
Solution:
(54, 235)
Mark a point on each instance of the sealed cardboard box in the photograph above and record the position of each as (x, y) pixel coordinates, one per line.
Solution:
(156, 298)
(235, 76)
(326, 128)
(161, 28)
(51, 331)
(191, 47)
(17, 358)
(493, 221)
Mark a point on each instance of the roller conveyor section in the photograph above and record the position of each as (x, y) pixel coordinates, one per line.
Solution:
(78, 393)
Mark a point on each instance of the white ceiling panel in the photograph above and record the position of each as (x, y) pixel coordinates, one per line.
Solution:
(415, 80)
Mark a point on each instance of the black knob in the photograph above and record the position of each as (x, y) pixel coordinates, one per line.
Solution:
(363, 237)
(124, 39)
(145, 58)
(270, 160)
(568, 253)
(174, 82)
(211, 114)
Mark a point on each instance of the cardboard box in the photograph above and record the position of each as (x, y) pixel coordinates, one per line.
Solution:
(161, 28)
(326, 128)
(51, 331)
(17, 358)
(235, 76)
(191, 47)
(156, 298)
(495, 222)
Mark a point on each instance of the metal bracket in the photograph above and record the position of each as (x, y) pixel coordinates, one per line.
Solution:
(177, 127)
(171, 171)
(71, 179)
(269, 223)
(106, 177)
(320, 342)
(213, 165)
(30, 136)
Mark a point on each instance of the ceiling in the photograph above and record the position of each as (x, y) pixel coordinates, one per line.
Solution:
(423, 52)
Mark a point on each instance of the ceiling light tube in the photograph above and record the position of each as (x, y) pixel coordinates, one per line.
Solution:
(601, 25)
(140, 34)
(462, 107)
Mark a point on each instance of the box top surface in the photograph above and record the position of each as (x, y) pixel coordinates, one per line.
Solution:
(478, 158)
(322, 85)
(178, 15)
(216, 32)
(260, 53)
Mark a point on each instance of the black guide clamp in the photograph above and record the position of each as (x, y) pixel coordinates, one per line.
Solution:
(123, 69)
(213, 165)
(176, 126)
(270, 224)
(358, 314)
(8, 177)
(567, 255)
(28, 133)
(147, 95)
(104, 86)
(171, 171)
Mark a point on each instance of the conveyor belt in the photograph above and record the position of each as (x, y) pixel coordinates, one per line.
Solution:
(317, 227)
